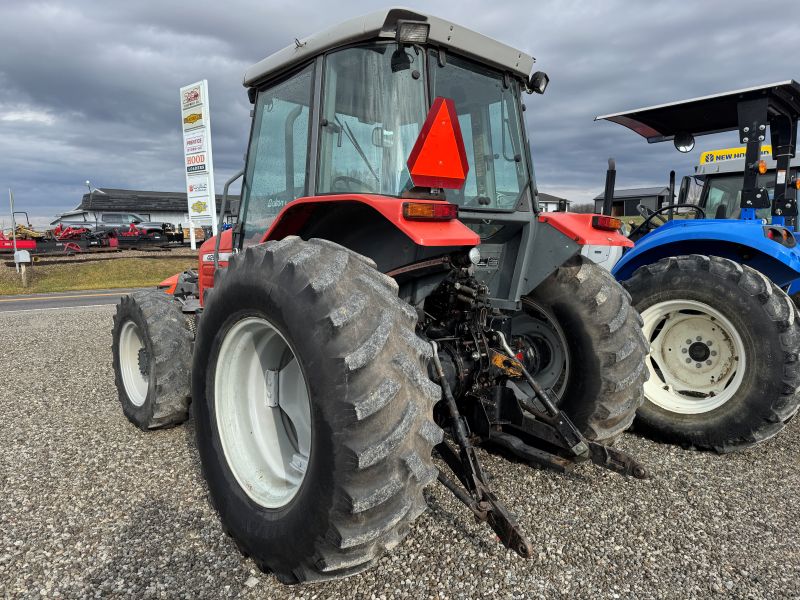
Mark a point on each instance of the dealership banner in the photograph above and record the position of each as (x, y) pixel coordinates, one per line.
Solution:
(198, 161)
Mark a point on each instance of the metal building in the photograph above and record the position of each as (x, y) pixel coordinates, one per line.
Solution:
(626, 201)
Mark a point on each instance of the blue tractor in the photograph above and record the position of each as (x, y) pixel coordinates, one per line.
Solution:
(712, 290)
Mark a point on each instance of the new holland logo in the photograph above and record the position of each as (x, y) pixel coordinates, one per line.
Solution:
(724, 154)
(192, 118)
(200, 206)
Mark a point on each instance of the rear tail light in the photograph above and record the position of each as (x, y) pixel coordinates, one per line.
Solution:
(781, 235)
(430, 211)
(607, 223)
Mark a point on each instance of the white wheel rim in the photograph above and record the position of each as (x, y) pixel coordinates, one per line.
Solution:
(131, 351)
(696, 358)
(263, 412)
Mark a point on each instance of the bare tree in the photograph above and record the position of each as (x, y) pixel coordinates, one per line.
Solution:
(582, 208)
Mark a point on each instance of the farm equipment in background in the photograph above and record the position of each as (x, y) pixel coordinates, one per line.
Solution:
(390, 277)
(7, 243)
(134, 237)
(723, 334)
(59, 240)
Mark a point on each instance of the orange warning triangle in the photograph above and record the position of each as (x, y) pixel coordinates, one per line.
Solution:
(438, 158)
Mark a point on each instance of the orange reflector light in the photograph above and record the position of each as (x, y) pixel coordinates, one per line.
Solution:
(607, 223)
(429, 211)
(797, 184)
(781, 235)
(762, 166)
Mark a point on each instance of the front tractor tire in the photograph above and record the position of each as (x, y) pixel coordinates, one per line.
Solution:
(587, 345)
(723, 353)
(152, 350)
(313, 409)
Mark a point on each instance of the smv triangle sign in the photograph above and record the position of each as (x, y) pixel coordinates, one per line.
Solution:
(438, 158)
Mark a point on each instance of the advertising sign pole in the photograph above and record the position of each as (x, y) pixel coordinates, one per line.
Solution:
(198, 158)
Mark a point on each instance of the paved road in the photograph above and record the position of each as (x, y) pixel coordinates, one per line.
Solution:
(59, 300)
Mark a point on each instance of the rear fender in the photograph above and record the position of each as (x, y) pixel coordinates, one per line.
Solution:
(557, 238)
(294, 217)
(169, 284)
(373, 226)
(578, 227)
(741, 241)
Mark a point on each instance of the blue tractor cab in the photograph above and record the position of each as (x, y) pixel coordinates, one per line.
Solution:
(716, 187)
(724, 335)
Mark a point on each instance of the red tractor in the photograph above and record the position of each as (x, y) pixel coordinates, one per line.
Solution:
(359, 316)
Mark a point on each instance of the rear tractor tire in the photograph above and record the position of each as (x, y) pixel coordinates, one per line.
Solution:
(313, 409)
(152, 348)
(588, 347)
(723, 353)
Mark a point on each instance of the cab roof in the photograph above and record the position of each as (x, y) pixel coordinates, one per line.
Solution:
(383, 25)
(704, 115)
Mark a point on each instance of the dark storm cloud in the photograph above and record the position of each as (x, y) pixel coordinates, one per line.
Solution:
(88, 90)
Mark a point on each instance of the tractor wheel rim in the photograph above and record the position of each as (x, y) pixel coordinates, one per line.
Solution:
(263, 412)
(555, 373)
(696, 359)
(131, 347)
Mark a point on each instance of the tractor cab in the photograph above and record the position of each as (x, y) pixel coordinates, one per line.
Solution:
(336, 120)
(340, 112)
(716, 185)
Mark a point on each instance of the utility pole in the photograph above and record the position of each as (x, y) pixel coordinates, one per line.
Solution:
(13, 227)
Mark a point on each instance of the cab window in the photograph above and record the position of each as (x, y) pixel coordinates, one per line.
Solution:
(724, 193)
(276, 171)
(491, 125)
(372, 112)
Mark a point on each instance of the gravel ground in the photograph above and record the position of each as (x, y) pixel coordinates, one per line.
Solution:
(91, 506)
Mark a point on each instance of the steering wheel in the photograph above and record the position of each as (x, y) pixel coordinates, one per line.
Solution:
(345, 181)
(649, 214)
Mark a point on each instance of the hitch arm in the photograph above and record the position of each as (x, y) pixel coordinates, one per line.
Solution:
(557, 428)
(478, 497)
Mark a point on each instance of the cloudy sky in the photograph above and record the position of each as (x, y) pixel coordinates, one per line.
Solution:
(89, 90)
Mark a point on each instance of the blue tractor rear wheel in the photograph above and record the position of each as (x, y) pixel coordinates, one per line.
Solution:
(723, 360)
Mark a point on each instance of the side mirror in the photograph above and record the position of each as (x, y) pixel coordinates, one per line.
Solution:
(538, 82)
(684, 142)
(382, 138)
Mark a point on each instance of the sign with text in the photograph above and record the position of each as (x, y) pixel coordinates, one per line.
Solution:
(198, 162)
